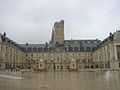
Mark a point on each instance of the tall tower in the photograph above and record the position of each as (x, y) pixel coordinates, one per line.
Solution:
(58, 33)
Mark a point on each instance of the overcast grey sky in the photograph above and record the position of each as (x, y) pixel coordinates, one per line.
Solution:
(32, 20)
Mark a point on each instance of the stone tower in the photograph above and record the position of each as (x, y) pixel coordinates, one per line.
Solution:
(58, 33)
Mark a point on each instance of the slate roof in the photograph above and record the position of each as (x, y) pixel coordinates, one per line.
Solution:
(11, 42)
(69, 45)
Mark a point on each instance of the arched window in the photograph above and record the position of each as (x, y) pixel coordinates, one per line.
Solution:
(34, 49)
(76, 48)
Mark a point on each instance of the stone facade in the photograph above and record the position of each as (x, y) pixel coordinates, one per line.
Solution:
(11, 55)
(60, 54)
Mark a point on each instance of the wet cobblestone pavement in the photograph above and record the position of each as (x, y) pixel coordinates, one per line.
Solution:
(62, 81)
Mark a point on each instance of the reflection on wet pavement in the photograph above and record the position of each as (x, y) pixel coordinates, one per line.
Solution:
(63, 81)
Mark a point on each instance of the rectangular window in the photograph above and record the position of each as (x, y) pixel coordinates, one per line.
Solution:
(82, 48)
(29, 49)
(88, 49)
(39, 49)
(118, 55)
(93, 48)
(88, 41)
(76, 48)
(70, 48)
(96, 66)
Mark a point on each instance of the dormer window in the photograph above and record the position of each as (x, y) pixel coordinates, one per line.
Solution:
(66, 42)
(76, 48)
(29, 49)
(26, 44)
(75, 42)
(95, 42)
(39, 48)
(83, 42)
(88, 41)
(34, 49)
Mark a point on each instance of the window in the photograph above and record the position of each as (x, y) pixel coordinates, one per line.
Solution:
(34, 49)
(42, 49)
(95, 42)
(58, 59)
(93, 48)
(79, 66)
(88, 41)
(57, 43)
(70, 48)
(118, 55)
(76, 48)
(89, 60)
(39, 49)
(83, 60)
(66, 42)
(1, 48)
(65, 49)
(29, 49)
(83, 42)
(75, 42)
(88, 49)
(106, 66)
(96, 66)
(91, 54)
(82, 48)
(45, 49)
(57, 66)
(91, 66)
(40, 65)
(73, 65)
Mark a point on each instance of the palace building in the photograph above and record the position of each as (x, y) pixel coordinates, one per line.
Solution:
(61, 54)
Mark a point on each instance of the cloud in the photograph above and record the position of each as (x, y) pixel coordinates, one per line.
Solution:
(32, 20)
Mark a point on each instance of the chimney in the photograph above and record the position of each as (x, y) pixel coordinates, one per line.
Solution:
(110, 33)
(4, 34)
